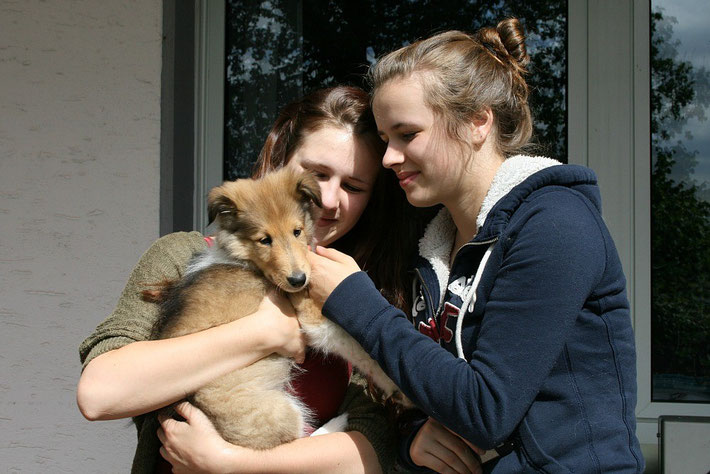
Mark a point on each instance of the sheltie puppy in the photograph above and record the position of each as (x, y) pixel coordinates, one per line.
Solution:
(265, 226)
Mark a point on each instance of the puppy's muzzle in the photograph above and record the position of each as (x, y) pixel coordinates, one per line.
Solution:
(297, 280)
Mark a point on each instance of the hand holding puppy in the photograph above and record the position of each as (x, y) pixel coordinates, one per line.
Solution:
(193, 445)
(282, 331)
(329, 268)
(440, 449)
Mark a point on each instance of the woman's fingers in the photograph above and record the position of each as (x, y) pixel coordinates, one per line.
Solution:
(333, 254)
(440, 449)
(279, 328)
(277, 300)
(458, 456)
(167, 425)
(436, 464)
(161, 435)
(475, 448)
(193, 445)
(328, 269)
(165, 454)
(166, 421)
(187, 410)
(193, 416)
(444, 461)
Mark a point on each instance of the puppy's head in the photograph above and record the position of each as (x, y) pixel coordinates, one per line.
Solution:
(269, 222)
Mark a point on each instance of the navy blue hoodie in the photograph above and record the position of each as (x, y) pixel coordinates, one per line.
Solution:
(526, 337)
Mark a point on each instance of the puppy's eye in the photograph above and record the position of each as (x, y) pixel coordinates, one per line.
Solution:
(296, 232)
(265, 241)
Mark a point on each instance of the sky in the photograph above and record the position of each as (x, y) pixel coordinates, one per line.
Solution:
(693, 33)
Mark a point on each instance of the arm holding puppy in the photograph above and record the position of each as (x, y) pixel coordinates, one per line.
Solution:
(146, 375)
(125, 374)
(194, 445)
(123, 371)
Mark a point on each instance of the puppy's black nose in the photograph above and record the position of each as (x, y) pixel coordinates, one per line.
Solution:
(297, 279)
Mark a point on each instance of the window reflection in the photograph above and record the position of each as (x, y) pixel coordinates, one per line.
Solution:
(264, 68)
(279, 49)
(680, 201)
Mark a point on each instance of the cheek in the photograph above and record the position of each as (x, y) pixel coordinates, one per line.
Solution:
(356, 204)
(260, 254)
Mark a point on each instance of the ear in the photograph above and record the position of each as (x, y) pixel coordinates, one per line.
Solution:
(481, 126)
(218, 204)
(308, 190)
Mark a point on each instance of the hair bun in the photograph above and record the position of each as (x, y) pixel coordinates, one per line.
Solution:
(512, 36)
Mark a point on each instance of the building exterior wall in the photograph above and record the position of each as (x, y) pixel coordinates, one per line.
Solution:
(79, 200)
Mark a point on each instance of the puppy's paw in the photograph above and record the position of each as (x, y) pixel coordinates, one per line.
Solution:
(307, 311)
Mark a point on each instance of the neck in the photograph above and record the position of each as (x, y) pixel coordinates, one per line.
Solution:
(466, 204)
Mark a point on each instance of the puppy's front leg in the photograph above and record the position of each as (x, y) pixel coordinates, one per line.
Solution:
(306, 309)
(329, 338)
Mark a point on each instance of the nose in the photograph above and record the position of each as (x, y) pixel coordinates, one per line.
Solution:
(392, 157)
(329, 194)
(297, 279)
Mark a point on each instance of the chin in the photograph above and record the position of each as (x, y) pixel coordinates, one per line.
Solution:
(421, 201)
(325, 239)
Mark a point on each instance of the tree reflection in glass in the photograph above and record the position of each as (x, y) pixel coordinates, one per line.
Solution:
(680, 202)
(279, 49)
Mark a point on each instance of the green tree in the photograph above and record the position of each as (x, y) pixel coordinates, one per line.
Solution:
(319, 43)
(680, 218)
(263, 62)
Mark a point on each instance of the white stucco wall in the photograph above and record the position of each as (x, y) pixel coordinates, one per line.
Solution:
(79, 191)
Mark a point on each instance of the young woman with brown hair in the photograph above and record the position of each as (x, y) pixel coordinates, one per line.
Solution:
(332, 134)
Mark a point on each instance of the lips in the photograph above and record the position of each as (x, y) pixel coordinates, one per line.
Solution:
(326, 222)
(406, 177)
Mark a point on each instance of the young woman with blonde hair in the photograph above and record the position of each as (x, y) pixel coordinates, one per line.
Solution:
(522, 341)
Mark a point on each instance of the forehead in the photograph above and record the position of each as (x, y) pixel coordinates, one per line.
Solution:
(272, 216)
(338, 151)
(400, 99)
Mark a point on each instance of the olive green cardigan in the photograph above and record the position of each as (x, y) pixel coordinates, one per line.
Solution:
(133, 318)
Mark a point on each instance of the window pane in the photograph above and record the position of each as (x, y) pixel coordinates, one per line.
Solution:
(680, 201)
(280, 49)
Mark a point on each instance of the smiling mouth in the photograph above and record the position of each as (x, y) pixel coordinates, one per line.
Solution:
(407, 177)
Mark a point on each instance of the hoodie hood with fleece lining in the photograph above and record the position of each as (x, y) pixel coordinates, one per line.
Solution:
(436, 244)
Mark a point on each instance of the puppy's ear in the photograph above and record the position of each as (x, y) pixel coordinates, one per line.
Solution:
(219, 205)
(308, 190)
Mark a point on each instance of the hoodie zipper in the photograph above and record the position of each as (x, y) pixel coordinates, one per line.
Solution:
(427, 293)
(470, 244)
(440, 305)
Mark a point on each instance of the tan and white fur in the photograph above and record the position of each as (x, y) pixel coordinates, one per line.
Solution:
(264, 226)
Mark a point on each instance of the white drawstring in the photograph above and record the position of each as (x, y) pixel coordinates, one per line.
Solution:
(469, 298)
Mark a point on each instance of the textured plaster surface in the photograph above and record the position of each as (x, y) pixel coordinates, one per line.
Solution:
(79, 192)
